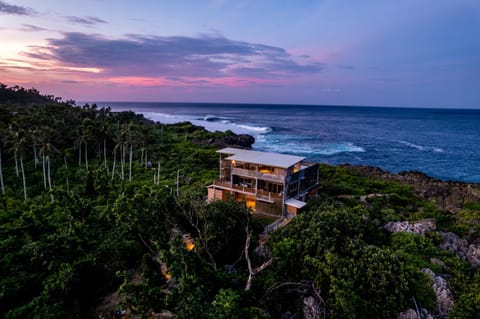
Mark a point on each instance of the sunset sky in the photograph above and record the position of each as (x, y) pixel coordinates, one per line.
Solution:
(415, 53)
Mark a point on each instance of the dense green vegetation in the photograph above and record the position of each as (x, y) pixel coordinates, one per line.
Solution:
(102, 211)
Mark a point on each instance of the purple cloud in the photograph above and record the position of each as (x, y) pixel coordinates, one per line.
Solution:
(31, 28)
(6, 8)
(177, 56)
(88, 21)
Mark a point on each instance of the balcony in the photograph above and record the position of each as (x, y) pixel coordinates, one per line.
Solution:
(222, 184)
(268, 196)
(239, 188)
(258, 175)
(260, 194)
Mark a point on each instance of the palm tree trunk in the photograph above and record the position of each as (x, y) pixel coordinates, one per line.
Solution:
(114, 162)
(1, 174)
(86, 157)
(44, 173)
(158, 173)
(66, 175)
(23, 178)
(123, 162)
(146, 158)
(141, 157)
(16, 164)
(80, 154)
(131, 159)
(178, 179)
(49, 177)
(35, 153)
(105, 154)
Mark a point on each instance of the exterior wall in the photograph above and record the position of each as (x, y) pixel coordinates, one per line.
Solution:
(302, 181)
(291, 210)
(215, 194)
(274, 209)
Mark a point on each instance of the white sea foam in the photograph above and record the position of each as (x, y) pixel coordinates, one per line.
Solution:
(422, 148)
(319, 150)
(210, 117)
(335, 148)
(209, 123)
(418, 147)
(260, 129)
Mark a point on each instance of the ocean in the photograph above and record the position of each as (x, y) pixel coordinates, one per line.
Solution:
(442, 143)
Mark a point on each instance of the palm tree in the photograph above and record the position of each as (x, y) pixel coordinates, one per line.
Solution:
(19, 140)
(43, 138)
(102, 128)
(131, 137)
(1, 172)
(47, 151)
(13, 131)
(33, 134)
(3, 134)
(66, 174)
(118, 139)
(87, 134)
(78, 145)
(23, 175)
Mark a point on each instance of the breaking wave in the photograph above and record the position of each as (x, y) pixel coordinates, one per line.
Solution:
(422, 148)
(209, 122)
(326, 149)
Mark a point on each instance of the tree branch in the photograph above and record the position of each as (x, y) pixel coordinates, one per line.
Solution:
(146, 245)
(252, 272)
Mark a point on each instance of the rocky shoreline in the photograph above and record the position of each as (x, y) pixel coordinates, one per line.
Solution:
(449, 196)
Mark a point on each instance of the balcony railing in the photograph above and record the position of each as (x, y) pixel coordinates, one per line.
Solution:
(228, 185)
(255, 174)
(260, 194)
(222, 183)
(269, 196)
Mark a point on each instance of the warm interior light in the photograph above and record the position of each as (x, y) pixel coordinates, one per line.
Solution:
(190, 246)
(188, 241)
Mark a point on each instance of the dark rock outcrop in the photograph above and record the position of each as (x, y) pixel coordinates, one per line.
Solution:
(418, 227)
(443, 295)
(412, 314)
(311, 308)
(461, 247)
(239, 141)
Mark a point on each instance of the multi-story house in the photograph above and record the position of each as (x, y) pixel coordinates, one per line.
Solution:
(271, 184)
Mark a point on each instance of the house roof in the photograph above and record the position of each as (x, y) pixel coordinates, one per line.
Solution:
(295, 203)
(263, 158)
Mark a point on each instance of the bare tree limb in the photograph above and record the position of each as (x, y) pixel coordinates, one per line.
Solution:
(146, 245)
(252, 271)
